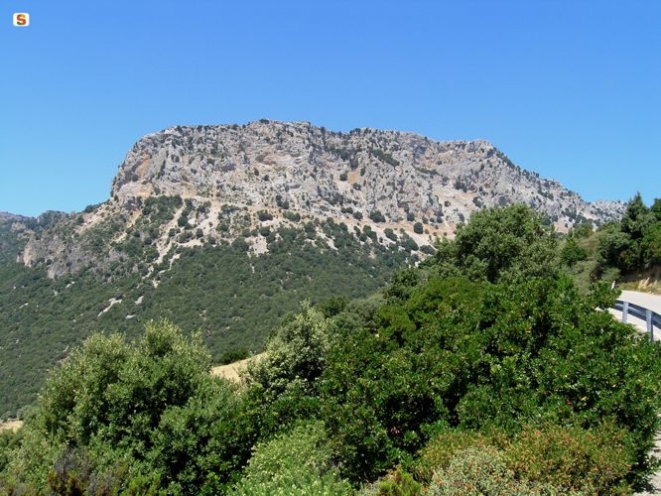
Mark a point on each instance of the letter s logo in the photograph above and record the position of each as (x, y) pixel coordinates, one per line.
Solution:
(21, 19)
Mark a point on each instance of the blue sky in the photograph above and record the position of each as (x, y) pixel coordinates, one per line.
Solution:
(569, 89)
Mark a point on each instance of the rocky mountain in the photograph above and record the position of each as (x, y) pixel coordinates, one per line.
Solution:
(226, 229)
(232, 175)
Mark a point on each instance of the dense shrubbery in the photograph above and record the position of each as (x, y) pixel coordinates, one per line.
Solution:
(133, 417)
(616, 250)
(510, 383)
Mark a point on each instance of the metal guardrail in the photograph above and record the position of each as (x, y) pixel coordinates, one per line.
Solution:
(652, 319)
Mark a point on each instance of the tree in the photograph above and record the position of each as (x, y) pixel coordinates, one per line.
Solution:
(637, 218)
(143, 415)
(509, 242)
(294, 357)
(656, 209)
(417, 228)
(571, 251)
(377, 216)
(651, 245)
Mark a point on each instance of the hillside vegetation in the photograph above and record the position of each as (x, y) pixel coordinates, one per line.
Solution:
(233, 297)
(485, 369)
(626, 250)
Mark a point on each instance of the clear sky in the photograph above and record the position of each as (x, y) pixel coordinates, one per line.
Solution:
(570, 89)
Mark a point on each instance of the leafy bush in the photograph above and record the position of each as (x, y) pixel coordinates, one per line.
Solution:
(292, 216)
(296, 463)
(573, 459)
(396, 482)
(263, 215)
(145, 414)
(377, 216)
(295, 357)
(482, 471)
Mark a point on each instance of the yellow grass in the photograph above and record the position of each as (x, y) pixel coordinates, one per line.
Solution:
(646, 282)
(231, 370)
(11, 425)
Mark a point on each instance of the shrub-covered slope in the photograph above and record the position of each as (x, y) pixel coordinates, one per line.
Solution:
(510, 382)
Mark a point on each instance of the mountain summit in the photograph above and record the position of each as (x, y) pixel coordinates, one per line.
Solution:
(324, 173)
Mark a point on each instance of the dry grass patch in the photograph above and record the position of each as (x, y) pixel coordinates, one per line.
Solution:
(11, 425)
(231, 370)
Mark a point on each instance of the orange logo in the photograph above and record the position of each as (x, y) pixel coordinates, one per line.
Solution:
(21, 19)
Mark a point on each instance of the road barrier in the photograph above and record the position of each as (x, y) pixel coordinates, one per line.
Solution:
(652, 319)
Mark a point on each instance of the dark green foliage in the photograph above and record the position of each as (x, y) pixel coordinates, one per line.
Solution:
(234, 356)
(584, 229)
(408, 243)
(637, 218)
(293, 216)
(384, 156)
(263, 215)
(572, 252)
(417, 228)
(481, 356)
(427, 250)
(333, 306)
(632, 245)
(656, 209)
(390, 234)
(377, 216)
(510, 243)
(283, 204)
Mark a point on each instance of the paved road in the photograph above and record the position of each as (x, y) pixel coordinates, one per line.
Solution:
(653, 302)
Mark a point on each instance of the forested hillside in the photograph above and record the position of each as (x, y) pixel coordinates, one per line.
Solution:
(232, 298)
(484, 369)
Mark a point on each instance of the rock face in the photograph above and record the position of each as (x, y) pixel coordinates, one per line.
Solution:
(320, 172)
(230, 178)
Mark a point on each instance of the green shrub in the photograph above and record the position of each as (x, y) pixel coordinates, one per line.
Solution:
(396, 482)
(292, 216)
(482, 471)
(263, 215)
(571, 458)
(440, 450)
(377, 216)
(299, 462)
